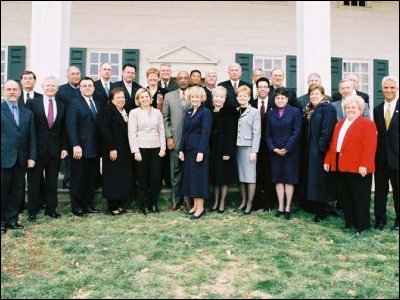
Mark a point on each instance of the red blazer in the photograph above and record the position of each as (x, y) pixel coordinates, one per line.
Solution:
(358, 148)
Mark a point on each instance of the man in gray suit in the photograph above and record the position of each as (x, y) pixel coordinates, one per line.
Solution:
(18, 151)
(346, 89)
(176, 103)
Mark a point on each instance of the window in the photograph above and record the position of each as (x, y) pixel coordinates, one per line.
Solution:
(354, 3)
(362, 70)
(97, 57)
(267, 64)
(3, 68)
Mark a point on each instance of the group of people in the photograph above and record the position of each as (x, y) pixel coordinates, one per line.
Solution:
(258, 135)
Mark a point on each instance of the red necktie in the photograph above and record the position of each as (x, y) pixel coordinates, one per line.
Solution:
(262, 110)
(50, 113)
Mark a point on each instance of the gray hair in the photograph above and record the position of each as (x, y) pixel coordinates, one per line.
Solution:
(390, 78)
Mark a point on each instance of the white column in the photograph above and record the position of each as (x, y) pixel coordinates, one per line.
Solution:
(313, 43)
(50, 39)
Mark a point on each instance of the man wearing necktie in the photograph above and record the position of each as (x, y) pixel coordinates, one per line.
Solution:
(103, 85)
(82, 132)
(28, 82)
(166, 81)
(49, 115)
(386, 117)
(18, 151)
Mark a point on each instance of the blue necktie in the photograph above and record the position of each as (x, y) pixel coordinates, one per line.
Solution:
(15, 114)
(92, 108)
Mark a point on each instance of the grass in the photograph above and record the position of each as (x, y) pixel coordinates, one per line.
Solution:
(219, 256)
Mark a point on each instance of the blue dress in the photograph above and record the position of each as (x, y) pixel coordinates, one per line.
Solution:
(284, 132)
(196, 139)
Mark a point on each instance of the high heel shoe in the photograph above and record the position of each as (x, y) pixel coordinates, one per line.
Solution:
(278, 213)
(288, 215)
(194, 217)
(221, 211)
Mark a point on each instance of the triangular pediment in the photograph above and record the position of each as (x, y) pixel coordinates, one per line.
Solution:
(183, 54)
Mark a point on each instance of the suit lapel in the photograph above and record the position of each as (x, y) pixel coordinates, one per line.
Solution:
(395, 116)
(8, 113)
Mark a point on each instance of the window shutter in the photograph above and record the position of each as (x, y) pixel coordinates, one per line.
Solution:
(16, 61)
(246, 62)
(132, 56)
(291, 72)
(381, 69)
(77, 57)
(336, 73)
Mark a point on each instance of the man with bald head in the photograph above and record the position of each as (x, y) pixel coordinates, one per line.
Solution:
(353, 79)
(277, 78)
(18, 151)
(103, 85)
(176, 104)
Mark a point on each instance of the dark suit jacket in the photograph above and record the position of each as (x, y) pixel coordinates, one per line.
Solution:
(21, 98)
(17, 142)
(387, 154)
(230, 96)
(82, 128)
(271, 97)
(129, 100)
(50, 141)
(100, 95)
(66, 94)
(172, 86)
(338, 96)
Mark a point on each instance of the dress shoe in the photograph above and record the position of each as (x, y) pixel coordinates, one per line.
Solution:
(144, 211)
(221, 211)
(15, 226)
(288, 215)
(122, 211)
(113, 212)
(79, 213)
(194, 217)
(379, 226)
(91, 210)
(247, 212)
(175, 206)
(32, 218)
(154, 209)
(3, 229)
(319, 218)
(54, 215)
(278, 213)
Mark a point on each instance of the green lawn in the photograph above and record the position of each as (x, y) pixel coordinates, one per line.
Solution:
(219, 256)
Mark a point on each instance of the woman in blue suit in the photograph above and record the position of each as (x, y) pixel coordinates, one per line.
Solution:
(283, 131)
(194, 151)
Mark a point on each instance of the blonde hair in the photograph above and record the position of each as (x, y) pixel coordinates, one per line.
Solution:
(244, 88)
(354, 99)
(153, 71)
(139, 93)
(198, 91)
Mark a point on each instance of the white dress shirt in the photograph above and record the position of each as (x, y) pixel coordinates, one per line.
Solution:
(342, 133)
(46, 106)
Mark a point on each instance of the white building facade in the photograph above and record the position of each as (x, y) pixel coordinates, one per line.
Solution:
(330, 38)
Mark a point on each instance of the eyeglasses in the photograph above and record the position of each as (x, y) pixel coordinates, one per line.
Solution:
(263, 87)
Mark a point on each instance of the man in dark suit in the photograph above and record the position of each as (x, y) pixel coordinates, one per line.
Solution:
(210, 80)
(67, 93)
(83, 136)
(49, 115)
(18, 151)
(103, 85)
(165, 78)
(302, 101)
(386, 117)
(354, 81)
(234, 72)
(265, 196)
(28, 82)
(128, 85)
(277, 77)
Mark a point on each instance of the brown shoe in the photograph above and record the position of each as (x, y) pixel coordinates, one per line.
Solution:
(174, 207)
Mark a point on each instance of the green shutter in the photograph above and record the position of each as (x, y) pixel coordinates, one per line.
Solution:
(381, 69)
(77, 57)
(16, 61)
(246, 62)
(291, 72)
(132, 56)
(336, 73)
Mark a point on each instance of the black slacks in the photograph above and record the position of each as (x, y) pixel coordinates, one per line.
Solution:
(382, 177)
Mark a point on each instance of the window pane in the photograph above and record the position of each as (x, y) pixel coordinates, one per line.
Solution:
(267, 64)
(3, 55)
(277, 63)
(3, 65)
(103, 57)
(114, 58)
(346, 68)
(94, 57)
(114, 78)
(363, 88)
(356, 68)
(364, 67)
(258, 63)
(93, 69)
(364, 78)
(115, 70)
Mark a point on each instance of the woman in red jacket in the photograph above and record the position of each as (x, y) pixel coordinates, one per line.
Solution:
(352, 154)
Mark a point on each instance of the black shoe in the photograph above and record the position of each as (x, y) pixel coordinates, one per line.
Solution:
(319, 218)
(144, 211)
(91, 210)
(15, 226)
(194, 217)
(379, 226)
(79, 213)
(247, 212)
(154, 209)
(288, 215)
(221, 211)
(32, 218)
(3, 229)
(54, 215)
(279, 213)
